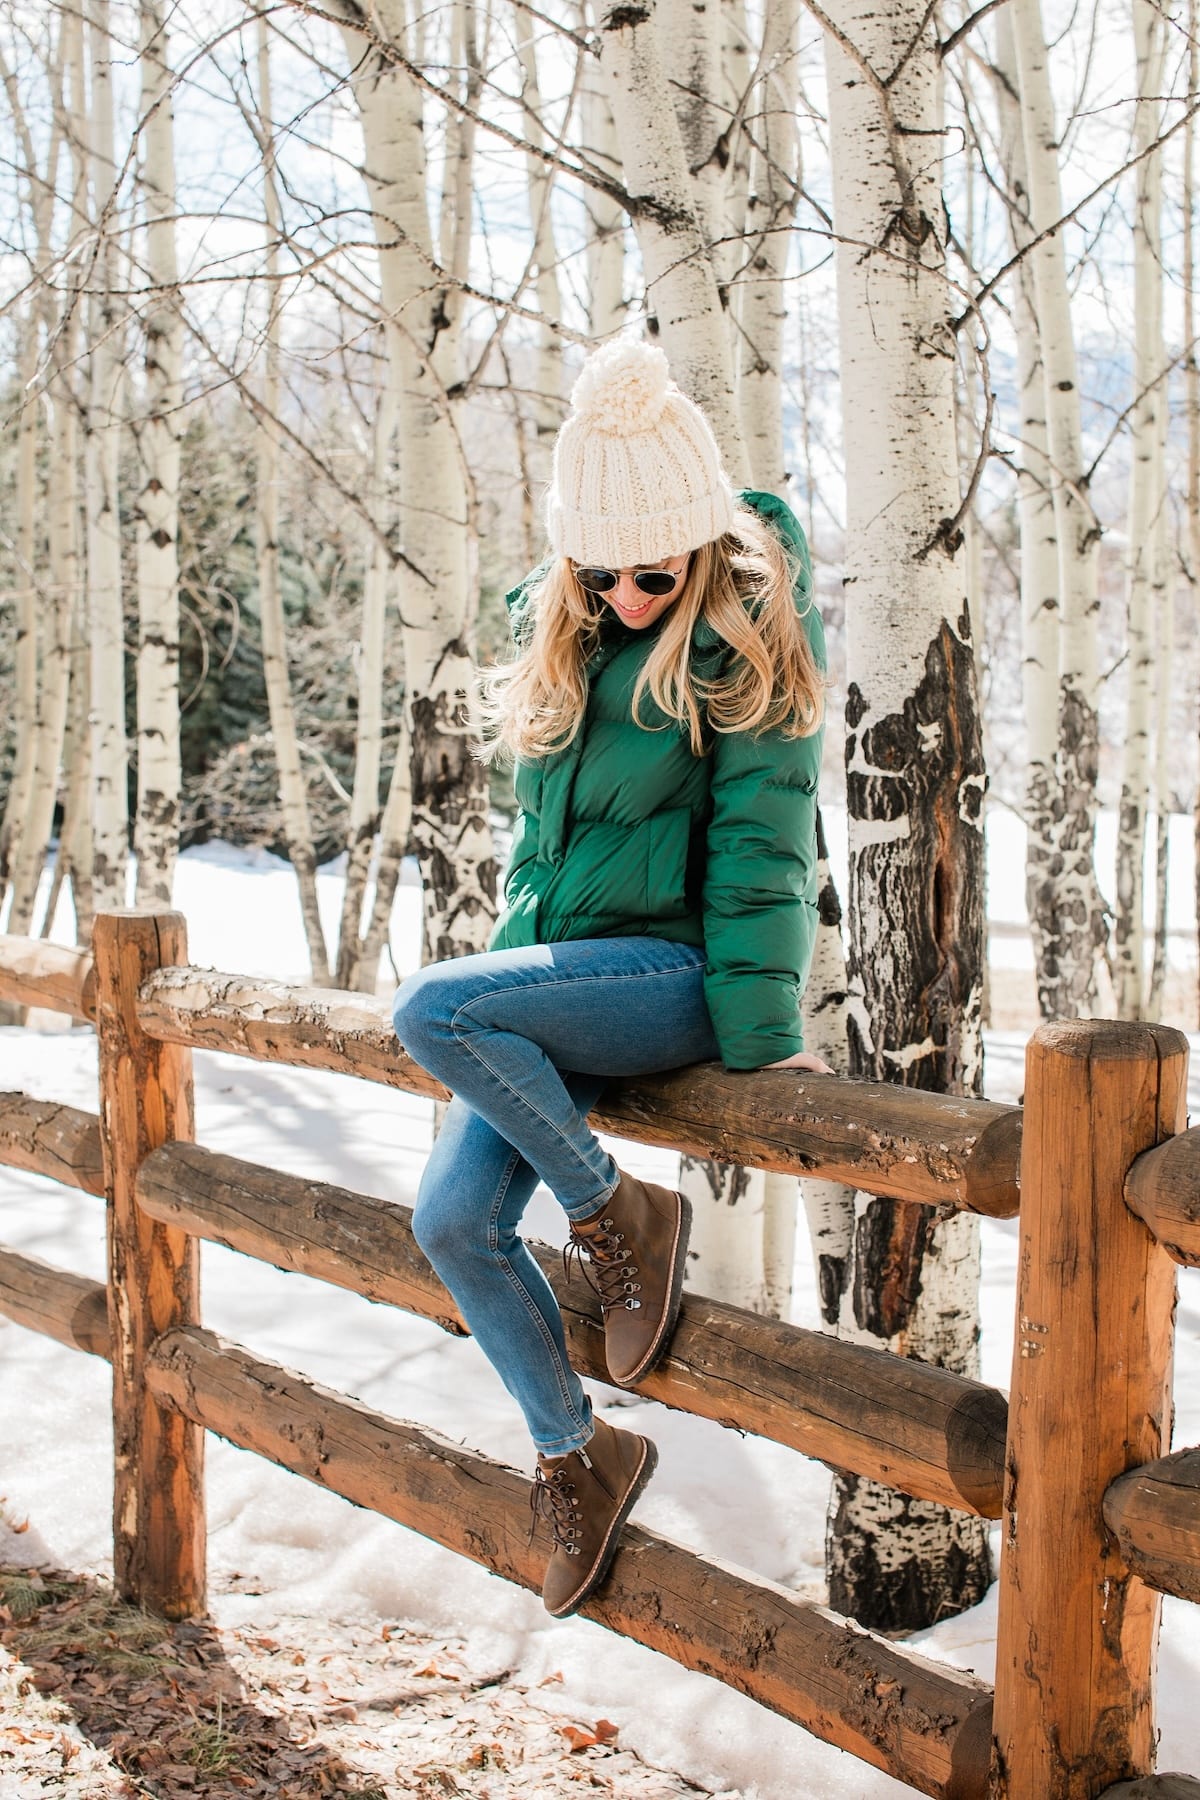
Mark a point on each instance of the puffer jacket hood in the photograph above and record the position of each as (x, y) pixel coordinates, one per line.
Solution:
(625, 832)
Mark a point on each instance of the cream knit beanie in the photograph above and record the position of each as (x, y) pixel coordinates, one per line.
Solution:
(637, 473)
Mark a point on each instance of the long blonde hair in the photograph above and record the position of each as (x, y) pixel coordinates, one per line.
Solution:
(740, 586)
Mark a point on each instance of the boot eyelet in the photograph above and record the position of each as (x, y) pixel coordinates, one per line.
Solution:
(633, 1305)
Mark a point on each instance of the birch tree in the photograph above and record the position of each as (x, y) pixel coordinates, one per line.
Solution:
(1144, 572)
(156, 828)
(438, 578)
(915, 775)
(293, 799)
(1073, 922)
(44, 597)
(1039, 568)
(681, 283)
(106, 626)
(775, 173)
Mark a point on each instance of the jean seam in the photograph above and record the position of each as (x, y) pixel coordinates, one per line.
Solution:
(526, 1297)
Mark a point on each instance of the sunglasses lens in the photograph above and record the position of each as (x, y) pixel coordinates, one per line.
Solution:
(596, 581)
(655, 581)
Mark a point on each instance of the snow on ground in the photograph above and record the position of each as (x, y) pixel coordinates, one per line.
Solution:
(281, 1550)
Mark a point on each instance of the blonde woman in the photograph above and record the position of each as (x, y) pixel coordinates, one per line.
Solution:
(663, 710)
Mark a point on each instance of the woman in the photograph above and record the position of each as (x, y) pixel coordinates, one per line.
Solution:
(664, 713)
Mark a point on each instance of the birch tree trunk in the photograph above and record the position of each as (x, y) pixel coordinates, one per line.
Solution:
(692, 32)
(106, 625)
(829, 1206)
(25, 650)
(368, 743)
(547, 408)
(915, 775)
(395, 831)
(763, 307)
(1074, 927)
(1039, 549)
(1146, 502)
(605, 216)
(156, 827)
(681, 283)
(1191, 378)
(292, 792)
(439, 593)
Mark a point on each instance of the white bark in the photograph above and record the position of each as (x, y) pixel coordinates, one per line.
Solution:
(106, 626)
(605, 216)
(762, 306)
(439, 581)
(368, 747)
(292, 792)
(914, 757)
(1078, 920)
(829, 1206)
(1146, 502)
(691, 43)
(546, 410)
(25, 652)
(1191, 370)
(156, 828)
(395, 831)
(1039, 551)
(681, 284)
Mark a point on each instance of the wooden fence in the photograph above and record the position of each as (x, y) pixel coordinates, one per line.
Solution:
(1098, 1522)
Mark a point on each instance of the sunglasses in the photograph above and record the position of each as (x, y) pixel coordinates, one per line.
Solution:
(648, 581)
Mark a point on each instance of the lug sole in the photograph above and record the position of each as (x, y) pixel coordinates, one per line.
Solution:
(609, 1548)
(662, 1337)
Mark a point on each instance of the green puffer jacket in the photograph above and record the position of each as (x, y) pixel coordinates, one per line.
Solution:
(626, 833)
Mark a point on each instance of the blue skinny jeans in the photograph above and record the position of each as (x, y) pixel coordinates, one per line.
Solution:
(525, 1040)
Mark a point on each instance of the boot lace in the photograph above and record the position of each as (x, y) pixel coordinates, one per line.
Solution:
(607, 1267)
(553, 1497)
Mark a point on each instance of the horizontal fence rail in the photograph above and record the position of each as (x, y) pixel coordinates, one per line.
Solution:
(1154, 1514)
(45, 1138)
(69, 1308)
(1111, 1196)
(1163, 1189)
(929, 1148)
(924, 1430)
(34, 973)
(924, 1723)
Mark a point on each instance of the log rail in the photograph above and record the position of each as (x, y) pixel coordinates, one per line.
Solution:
(1107, 1167)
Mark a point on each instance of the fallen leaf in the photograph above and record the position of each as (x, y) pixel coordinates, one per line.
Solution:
(577, 1739)
(606, 1731)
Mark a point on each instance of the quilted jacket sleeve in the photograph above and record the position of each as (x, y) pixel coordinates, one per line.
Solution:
(760, 892)
(760, 888)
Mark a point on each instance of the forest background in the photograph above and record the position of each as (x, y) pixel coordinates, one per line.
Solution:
(294, 294)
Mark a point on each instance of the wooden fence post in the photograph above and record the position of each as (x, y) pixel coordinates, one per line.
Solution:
(153, 1274)
(1090, 1398)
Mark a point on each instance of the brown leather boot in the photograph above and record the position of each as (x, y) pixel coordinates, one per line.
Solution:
(587, 1497)
(635, 1249)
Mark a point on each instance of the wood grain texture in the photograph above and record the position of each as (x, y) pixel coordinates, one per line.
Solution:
(1090, 1399)
(923, 1722)
(1163, 1189)
(34, 973)
(69, 1308)
(1154, 1513)
(922, 1429)
(48, 1139)
(932, 1148)
(153, 1275)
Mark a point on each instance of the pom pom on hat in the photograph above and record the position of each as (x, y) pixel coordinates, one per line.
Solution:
(637, 471)
(623, 388)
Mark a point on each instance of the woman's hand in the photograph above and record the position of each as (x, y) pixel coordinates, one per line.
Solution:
(803, 1060)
